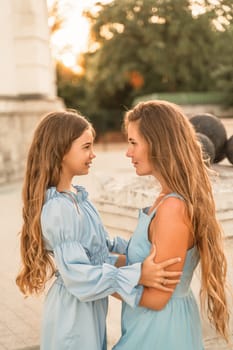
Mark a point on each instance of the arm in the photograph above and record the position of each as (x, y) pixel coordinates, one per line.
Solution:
(152, 273)
(170, 230)
(117, 247)
(63, 228)
(121, 261)
(116, 244)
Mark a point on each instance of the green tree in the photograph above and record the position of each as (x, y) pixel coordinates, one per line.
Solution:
(224, 71)
(70, 87)
(143, 46)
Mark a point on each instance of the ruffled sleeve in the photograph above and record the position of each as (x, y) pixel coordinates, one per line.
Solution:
(62, 229)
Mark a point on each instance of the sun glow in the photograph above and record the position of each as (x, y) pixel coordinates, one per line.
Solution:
(71, 39)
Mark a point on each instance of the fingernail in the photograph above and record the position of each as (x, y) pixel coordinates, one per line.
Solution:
(179, 259)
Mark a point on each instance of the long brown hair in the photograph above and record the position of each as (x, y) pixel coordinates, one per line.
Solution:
(176, 154)
(52, 139)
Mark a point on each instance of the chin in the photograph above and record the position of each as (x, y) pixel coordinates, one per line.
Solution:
(84, 172)
(141, 173)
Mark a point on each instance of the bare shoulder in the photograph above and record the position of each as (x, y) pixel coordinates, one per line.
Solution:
(172, 206)
(171, 226)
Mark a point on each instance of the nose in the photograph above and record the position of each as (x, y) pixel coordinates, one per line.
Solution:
(128, 154)
(93, 155)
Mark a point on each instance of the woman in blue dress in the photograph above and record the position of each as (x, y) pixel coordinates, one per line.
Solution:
(181, 222)
(63, 235)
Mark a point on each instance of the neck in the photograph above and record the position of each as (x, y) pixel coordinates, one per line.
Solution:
(65, 183)
(164, 189)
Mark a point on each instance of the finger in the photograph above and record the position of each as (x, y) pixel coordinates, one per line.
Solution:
(168, 281)
(169, 262)
(167, 289)
(171, 273)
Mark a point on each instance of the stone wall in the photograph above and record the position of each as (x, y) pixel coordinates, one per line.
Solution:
(18, 118)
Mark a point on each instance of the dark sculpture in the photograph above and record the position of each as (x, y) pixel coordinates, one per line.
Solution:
(207, 146)
(214, 129)
(229, 149)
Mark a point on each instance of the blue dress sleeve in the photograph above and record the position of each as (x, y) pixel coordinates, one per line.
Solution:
(117, 244)
(62, 229)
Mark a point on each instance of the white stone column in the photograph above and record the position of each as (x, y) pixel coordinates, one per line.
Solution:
(8, 85)
(27, 84)
(34, 71)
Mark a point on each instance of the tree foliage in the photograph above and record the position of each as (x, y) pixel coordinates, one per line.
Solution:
(160, 40)
(56, 19)
(145, 46)
(224, 71)
(140, 47)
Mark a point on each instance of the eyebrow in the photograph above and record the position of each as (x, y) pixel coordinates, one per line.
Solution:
(86, 144)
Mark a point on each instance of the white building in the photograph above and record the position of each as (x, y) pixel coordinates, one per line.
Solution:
(28, 86)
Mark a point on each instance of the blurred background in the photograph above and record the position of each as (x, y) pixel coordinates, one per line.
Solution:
(102, 57)
(109, 53)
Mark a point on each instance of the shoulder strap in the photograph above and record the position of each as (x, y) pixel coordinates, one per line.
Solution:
(172, 194)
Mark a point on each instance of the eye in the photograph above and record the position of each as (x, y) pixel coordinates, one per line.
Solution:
(87, 147)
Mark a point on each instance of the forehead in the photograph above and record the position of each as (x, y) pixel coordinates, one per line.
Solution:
(133, 130)
(134, 134)
(86, 137)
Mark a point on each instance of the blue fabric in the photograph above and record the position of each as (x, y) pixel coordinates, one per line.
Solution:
(76, 305)
(177, 326)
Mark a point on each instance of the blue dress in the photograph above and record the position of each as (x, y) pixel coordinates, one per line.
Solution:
(177, 326)
(75, 307)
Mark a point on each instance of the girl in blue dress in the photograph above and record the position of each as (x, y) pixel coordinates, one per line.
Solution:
(182, 222)
(63, 235)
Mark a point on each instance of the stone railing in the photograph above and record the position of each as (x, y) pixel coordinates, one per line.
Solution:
(118, 205)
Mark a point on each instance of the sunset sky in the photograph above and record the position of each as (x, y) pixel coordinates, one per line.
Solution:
(72, 39)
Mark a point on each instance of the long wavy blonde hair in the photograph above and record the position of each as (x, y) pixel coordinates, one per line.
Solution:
(177, 155)
(52, 139)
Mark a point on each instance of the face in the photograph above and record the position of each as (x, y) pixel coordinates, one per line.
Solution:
(138, 150)
(77, 160)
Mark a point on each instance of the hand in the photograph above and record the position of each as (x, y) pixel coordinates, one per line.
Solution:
(154, 274)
